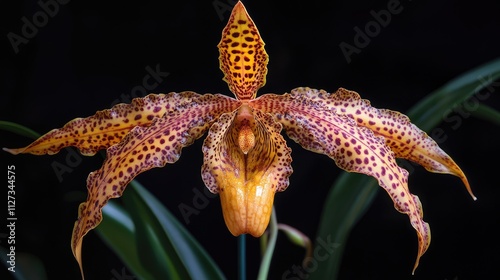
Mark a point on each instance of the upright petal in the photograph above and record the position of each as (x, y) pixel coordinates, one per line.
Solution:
(246, 160)
(354, 148)
(142, 149)
(243, 58)
(404, 138)
(106, 127)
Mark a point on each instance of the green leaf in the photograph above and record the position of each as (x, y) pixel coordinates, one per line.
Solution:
(164, 246)
(487, 113)
(117, 230)
(429, 111)
(18, 129)
(352, 194)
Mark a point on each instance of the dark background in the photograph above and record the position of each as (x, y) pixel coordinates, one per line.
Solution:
(92, 54)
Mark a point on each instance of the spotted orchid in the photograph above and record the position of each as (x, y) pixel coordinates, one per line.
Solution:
(246, 158)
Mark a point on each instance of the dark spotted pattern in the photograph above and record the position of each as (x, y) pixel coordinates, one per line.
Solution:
(354, 148)
(246, 182)
(144, 148)
(243, 59)
(405, 139)
(246, 160)
(106, 127)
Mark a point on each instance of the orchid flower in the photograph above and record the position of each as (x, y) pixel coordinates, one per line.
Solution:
(246, 158)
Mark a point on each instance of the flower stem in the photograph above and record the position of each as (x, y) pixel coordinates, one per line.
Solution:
(242, 257)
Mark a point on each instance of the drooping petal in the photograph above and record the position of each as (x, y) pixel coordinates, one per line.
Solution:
(246, 160)
(243, 58)
(106, 127)
(354, 148)
(404, 138)
(142, 149)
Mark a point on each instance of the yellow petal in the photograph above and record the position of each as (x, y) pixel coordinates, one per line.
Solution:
(243, 58)
(246, 175)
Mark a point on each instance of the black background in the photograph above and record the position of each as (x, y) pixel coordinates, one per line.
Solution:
(92, 54)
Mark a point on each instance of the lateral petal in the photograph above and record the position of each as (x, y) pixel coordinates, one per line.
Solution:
(354, 148)
(107, 127)
(142, 149)
(404, 138)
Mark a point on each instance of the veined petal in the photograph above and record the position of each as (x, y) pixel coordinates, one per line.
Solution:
(243, 58)
(246, 160)
(142, 149)
(404, 138)
(106, 127)
(354, 148)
